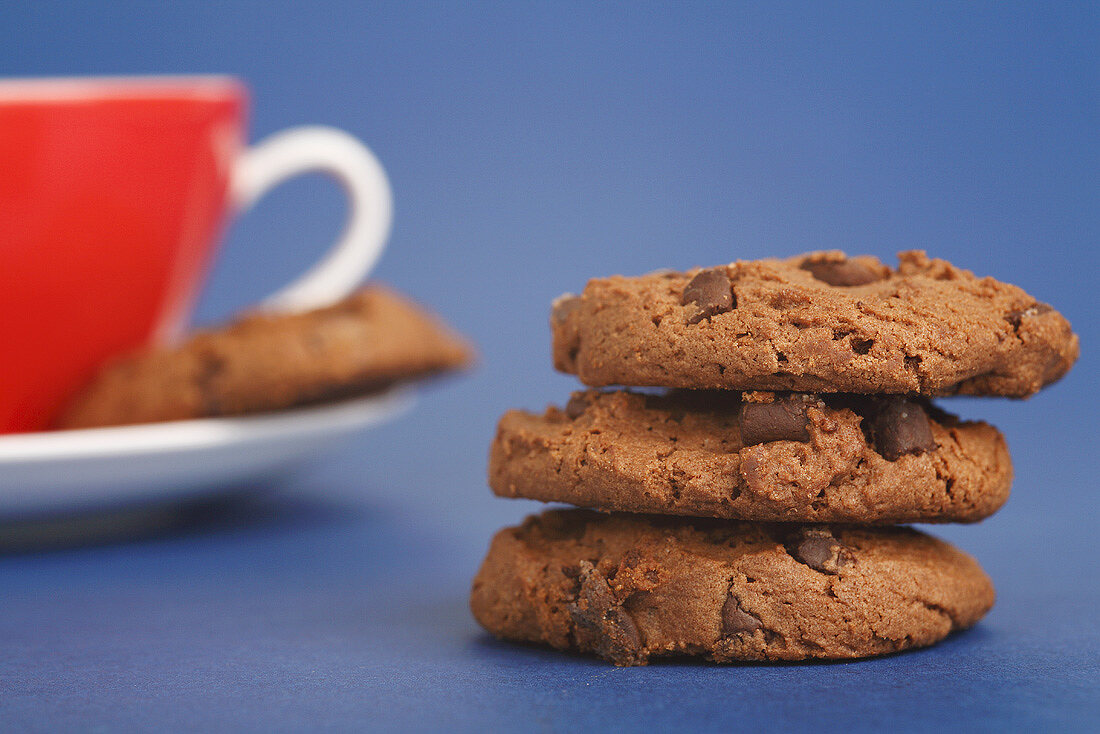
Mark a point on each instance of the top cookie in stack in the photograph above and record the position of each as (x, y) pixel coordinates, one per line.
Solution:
(816, 323)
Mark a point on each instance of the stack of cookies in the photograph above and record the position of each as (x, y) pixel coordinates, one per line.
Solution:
(748, 508)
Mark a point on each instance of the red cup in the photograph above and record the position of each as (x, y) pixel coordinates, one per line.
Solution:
(112, 194)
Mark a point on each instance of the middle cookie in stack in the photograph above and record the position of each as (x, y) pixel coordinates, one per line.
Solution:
(754, 456)
(738, 501)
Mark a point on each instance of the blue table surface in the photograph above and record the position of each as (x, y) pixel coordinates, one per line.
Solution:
(530, 147)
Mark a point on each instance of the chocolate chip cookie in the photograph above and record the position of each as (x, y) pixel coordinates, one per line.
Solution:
(757, 456)
(632, 588)
(266, 362)
(817, 323)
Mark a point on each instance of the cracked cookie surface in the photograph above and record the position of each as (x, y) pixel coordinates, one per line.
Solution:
(263, 362)
(802, 458)
(632, 588)
(816, 323)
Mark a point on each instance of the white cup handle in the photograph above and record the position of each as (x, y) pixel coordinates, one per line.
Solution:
(370, 207)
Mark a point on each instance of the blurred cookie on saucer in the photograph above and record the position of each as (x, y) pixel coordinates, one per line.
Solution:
(264, 362)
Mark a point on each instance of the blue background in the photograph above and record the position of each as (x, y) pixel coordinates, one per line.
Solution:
(532, 146)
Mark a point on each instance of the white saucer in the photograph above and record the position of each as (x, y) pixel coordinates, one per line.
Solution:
(75, 471)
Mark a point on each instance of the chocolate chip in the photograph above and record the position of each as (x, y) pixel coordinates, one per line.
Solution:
(711, 293)
(819, 549)
(210, 369)
(862, 346)
(1017, 317)
(783, 420)
(602, 625)
(841, 273)
(901, 427)
(631, 559)
(576, 406)
(736, 620)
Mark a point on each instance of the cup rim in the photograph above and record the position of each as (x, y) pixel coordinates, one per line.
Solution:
(137, 86)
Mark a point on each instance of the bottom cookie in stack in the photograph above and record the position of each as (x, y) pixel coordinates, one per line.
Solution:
(630, 588)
